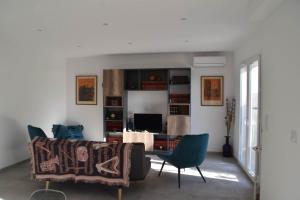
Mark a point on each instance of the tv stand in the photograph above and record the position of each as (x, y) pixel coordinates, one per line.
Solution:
(162, 142)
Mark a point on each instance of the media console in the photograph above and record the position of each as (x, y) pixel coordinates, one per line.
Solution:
(161, 141)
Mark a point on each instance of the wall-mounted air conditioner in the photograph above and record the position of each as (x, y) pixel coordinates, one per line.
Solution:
(209, 61)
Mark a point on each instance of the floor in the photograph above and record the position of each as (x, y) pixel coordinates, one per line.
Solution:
(225, 181)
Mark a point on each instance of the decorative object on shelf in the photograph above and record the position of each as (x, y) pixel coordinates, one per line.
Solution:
(212, 91)
(130, 121)
(154, 85)
(113, 114)
(86, 90)
(229, 118)
(113, 101)
(154, 77)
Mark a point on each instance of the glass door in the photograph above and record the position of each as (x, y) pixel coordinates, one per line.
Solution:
(249, 126)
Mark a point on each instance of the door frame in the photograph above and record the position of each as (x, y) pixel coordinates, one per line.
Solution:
(256, 179)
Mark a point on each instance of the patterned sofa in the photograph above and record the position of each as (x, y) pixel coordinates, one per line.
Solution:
(88, 161)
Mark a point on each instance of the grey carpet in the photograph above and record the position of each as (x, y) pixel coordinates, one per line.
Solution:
(225, 181)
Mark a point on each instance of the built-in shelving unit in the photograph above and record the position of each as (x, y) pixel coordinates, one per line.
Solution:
(113, 98)
(117, 83)
(179, 91)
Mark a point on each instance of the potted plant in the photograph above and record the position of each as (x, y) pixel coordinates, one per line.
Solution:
(229, 118)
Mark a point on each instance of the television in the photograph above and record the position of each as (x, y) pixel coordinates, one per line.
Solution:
(148, 122)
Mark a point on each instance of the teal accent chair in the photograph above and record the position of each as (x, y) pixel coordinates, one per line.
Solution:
(190, 152)
(35, 132)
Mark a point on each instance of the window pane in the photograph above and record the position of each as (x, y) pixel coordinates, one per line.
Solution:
(243, 115)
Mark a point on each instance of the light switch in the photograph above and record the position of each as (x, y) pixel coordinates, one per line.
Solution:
(294, 136)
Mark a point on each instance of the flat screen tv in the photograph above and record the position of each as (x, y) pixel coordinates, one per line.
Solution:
(148, 122)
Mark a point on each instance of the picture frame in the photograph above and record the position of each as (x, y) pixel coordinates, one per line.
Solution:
(86, 90)
(212, 90)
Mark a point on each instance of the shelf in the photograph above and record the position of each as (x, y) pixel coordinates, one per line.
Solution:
(113, 106)
(177, 84)
(180, 104)
(113, 120)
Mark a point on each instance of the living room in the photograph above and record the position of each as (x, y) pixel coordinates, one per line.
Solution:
(46, 45)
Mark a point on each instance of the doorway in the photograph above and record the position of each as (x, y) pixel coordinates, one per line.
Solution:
(249, 121)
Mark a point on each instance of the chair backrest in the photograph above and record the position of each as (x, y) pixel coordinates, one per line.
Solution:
(191, 150)
(35, 132)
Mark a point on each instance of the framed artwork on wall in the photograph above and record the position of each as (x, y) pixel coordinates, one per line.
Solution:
(212, 91)
(86, 90)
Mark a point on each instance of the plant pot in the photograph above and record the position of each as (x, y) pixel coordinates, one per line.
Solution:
(227, 148)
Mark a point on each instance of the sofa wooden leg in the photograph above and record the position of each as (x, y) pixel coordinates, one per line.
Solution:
(47, 185)
(119, 193)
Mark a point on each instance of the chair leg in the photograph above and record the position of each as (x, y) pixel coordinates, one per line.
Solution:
(161, 168)
(47, 185)
(201, 174)
(179, 178)
(119, 197)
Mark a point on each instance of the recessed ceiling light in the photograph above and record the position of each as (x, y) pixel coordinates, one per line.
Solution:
(105, 24)
(183, 19)
(78, 45)
(40, 29)
(130, 43)
(186, 41)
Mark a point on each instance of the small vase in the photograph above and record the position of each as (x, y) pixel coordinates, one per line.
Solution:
(227, 148)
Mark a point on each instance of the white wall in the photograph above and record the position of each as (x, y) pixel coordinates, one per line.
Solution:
(278, 42)
(210, 119)
(92, 116)
(32, 91)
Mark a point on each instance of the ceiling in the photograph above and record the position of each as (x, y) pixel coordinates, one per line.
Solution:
(92, 27)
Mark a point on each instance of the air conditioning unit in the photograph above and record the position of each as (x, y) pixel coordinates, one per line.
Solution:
(209, 61)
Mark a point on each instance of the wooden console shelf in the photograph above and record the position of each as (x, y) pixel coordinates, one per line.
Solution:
(159, 144)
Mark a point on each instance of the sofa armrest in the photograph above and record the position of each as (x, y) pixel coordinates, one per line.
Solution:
(140, 165)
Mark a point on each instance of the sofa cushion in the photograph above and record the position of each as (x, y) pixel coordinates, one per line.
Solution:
(76, 131)
(60, 132)
(67, 132)
(35, 132)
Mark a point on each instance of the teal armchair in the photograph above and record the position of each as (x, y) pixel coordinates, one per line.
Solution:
(35, 132)
(190, 152)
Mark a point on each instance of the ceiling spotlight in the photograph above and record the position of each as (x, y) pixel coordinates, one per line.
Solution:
(130, 43)
(186, 41)
(40, 29)
(183, 19)
(78, 45)
(105, 24)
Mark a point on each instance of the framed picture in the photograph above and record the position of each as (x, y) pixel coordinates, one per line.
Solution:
(212, 91)
(86, 90)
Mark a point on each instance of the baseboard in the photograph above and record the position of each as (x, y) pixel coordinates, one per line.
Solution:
(13, 165)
